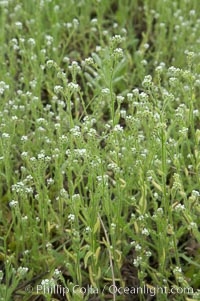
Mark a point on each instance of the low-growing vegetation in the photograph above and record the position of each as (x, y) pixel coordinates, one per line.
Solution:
(99, 150)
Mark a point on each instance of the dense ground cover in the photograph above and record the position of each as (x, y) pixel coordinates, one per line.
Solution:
(99, 150)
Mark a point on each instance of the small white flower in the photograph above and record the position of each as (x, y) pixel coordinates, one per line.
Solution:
(18, 25)
(50, 181)
(75, 23)
(41, 156)
(102, 179)
(71, 217)
(94, 21)
(130, 97)
(32, 159)
(118, 128)
(179, 208)
(89, 61)
(22, 271)
(13, 203)
(148, 253)
(145, 232)
(49, 245)
(5, 136)
(120, 98)
(50, 63)
(117, 39)
(66, 59)
(1, 275)
(192, 12)
(113, 226)
(31, 42)
(48, 284)
(123, 113)
(162, 25)
(105, 91)
(4, 3)
(193, 225)
(147, 81)
(88, 229)
(144, 62)
(73, 87)
(138, 247)
(75, 131)
(75, 197)
(41, 129)
(57, 273)
(24, 218)
(24, 138)
(137, 261)
(58, 89)
(195, 193)
(135, 92)
(146, 46)
(177, 270)
(144, 96)
(98, 48)
(118, 53)
(49, 40)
